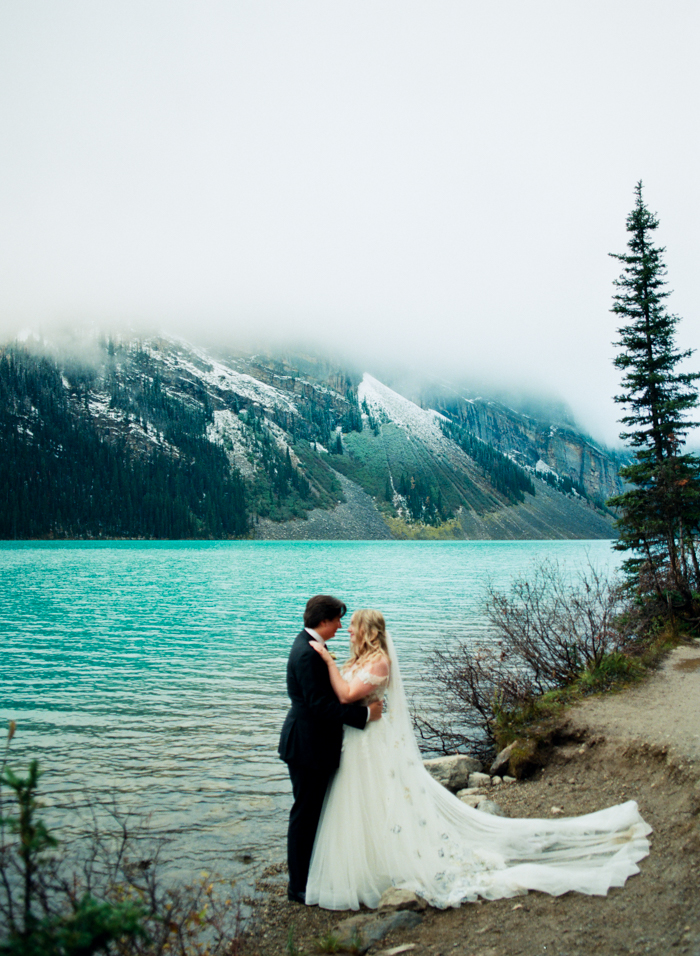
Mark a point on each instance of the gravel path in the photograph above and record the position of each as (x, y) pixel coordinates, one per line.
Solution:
(662, 710)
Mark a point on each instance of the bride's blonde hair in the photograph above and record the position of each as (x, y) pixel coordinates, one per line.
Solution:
(370, 629)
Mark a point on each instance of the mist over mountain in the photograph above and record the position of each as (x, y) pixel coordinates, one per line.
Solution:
(433, 187)
(423, 381)
(125, 436)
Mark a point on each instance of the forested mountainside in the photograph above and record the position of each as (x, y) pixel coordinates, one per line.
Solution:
(156, 438)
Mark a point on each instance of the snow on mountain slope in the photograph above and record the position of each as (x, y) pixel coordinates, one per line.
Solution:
(224, 377)
(386, 404)
(226, 429)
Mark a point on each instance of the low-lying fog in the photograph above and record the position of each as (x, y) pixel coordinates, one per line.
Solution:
(425, 189)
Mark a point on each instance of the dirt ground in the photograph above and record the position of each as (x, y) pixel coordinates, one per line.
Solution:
(640, 744)
(664, 710)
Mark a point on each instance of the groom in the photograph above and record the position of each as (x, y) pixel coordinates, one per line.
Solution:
(312, 734)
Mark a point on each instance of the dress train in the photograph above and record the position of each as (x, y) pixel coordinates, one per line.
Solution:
(386, 822)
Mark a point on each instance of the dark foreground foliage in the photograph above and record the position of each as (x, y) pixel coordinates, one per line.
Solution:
(101, 896)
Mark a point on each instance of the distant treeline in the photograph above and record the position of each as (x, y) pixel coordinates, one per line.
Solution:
(60, 477)
(505, 476)
(423, 500)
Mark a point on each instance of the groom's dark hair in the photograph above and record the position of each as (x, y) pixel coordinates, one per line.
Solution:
(322, 607)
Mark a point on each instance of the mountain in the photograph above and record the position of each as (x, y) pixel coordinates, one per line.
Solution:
(155, 437)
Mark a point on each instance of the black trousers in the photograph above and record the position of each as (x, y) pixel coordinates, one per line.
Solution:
(309, 788)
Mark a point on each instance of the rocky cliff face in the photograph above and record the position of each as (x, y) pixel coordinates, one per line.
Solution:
(563, 450)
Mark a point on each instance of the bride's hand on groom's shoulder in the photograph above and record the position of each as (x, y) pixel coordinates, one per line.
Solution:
(322, 650)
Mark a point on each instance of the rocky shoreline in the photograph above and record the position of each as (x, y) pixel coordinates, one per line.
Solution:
(657, 911)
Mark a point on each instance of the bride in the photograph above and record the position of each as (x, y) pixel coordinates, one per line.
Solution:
(386, 822)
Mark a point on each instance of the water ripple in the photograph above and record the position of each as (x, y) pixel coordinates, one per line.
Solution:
(154, 671)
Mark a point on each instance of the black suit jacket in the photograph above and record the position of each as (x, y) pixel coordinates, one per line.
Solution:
(312, 734)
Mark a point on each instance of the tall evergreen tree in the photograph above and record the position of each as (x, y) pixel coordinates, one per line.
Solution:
(660, 514)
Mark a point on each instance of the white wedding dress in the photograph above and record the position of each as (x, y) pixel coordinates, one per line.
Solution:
(386, 822)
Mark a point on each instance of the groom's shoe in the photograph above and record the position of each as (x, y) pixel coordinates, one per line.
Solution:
(296, 897)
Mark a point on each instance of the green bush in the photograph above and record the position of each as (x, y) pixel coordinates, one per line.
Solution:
(41, 921)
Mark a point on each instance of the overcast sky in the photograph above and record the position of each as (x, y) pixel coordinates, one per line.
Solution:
(440, 180)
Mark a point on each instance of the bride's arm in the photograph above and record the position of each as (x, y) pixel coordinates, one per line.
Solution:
(348, 692)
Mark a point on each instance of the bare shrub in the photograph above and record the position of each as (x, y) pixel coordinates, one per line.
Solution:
(555, 624)
(473, 680)
(545, 631)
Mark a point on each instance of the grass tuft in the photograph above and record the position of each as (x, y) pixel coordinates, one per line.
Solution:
(330, 943)
(291, 947)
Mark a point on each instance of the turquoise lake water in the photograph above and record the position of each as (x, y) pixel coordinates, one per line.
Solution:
(154, 672)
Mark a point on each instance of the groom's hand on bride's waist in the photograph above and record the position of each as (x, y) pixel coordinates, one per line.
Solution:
(375, 709)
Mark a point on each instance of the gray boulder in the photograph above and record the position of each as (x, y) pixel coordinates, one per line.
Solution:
(479, 780)
(501, 764)
(398, 899)
(452, 772)
(360, 932)
(472, 799)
